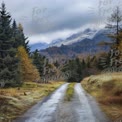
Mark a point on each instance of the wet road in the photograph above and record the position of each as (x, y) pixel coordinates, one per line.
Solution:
(43, 112)
(82, 108)
(86, 108)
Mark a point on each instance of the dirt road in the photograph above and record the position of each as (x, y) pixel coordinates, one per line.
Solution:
(82, 108)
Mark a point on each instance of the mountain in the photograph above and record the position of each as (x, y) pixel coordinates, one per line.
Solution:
(38, 46)
(55, 42)
(79, 44)
(82, 42)
(88, 33)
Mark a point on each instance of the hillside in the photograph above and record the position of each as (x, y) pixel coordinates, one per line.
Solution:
(81, 46)
(107, 89)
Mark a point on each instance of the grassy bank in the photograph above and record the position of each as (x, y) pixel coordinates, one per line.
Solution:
(107, 89)
(69, 92)
(15, 101)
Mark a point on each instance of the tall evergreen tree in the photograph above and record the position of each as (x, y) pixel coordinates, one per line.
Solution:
(8, 62)
(75, 69)
(23, 40)
(19, 37)
(38, 61)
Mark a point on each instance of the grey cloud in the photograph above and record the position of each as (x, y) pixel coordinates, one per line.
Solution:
(40, 17)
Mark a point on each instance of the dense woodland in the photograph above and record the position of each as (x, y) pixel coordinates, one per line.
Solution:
(18, 64)
(15, 63)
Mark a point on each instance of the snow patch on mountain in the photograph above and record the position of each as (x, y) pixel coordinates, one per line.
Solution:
(77, 37)
(88, 33)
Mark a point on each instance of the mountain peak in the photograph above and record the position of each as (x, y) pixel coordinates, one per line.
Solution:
(74, 38)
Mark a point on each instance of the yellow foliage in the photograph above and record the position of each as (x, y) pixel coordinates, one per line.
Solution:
(20, 27)
(28, 70)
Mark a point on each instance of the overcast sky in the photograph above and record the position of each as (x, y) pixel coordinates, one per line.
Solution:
(47, 20)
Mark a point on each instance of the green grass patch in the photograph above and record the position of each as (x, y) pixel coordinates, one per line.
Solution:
(69, 92)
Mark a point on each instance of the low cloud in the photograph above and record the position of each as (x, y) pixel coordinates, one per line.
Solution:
(47, 20)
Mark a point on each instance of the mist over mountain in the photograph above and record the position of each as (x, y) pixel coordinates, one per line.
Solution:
(82, 43)
(76, 37)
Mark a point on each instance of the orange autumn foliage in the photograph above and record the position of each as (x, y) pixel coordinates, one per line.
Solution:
(28, 71)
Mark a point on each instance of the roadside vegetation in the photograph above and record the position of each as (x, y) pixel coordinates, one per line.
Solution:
(69, 92)
(15, 101)
(107, 89)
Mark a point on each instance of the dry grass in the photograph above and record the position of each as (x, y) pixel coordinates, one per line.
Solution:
(107, 88)
(15, 101)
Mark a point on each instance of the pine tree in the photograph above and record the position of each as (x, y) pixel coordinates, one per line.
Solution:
(38, 61)
(88, 61)
(15, 36)
(9, 72)
(23, 40)
(75, 69)
(83, 64)
(19, 37)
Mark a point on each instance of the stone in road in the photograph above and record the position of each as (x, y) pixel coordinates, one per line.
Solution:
(82, 108)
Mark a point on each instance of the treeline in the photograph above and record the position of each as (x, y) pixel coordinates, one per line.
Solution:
(47, 70)
(80, 68)
(16, 65)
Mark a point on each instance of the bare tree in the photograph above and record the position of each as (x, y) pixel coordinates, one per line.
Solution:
(115, 24)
